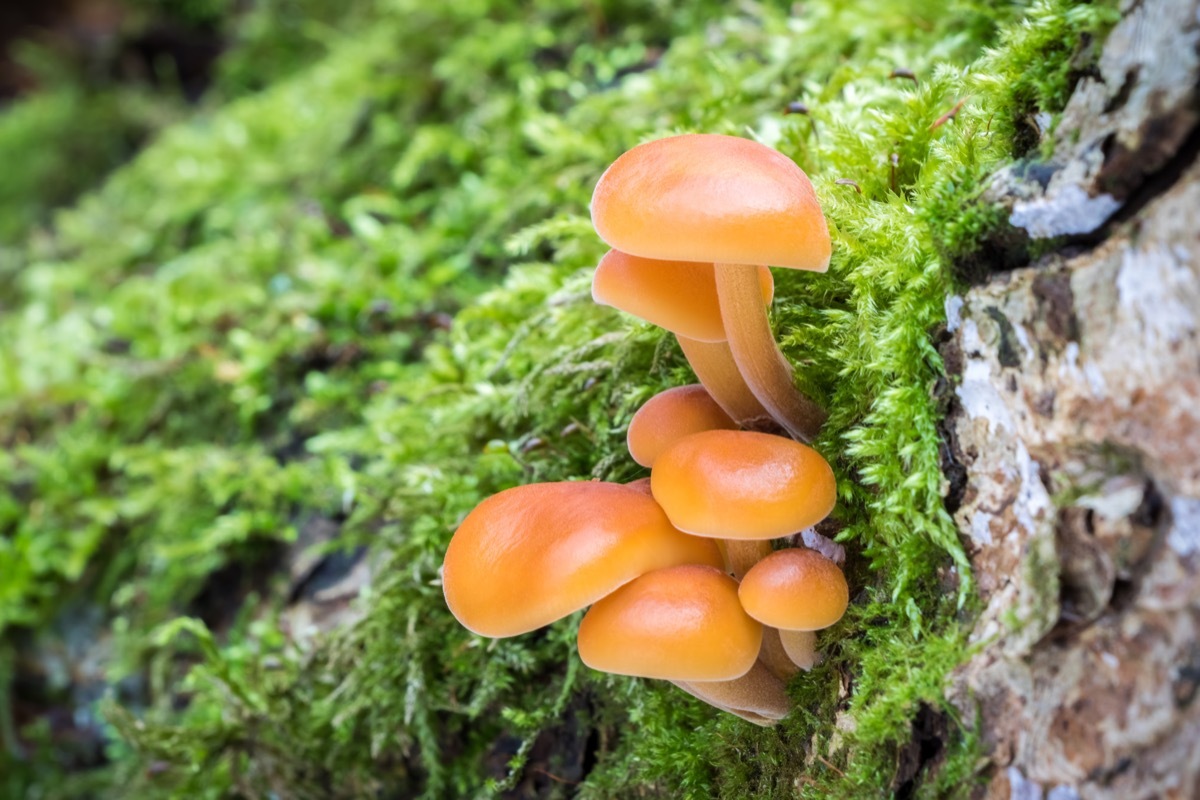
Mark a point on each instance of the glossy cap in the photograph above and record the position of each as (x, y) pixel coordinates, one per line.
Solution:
(742, 485)
(533, 554)
(671, 415)
(680, 296)
(703, 197)
(681, 623)
(797, 590)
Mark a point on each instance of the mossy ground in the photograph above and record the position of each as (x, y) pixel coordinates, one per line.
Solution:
(353, 287)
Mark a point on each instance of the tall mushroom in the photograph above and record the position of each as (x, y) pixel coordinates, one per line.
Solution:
(734, 203)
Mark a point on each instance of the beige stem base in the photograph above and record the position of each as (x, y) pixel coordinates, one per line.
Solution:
(762, 365)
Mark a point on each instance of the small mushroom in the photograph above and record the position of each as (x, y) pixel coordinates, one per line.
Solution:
(533, 554)
(671, 415)
(684, 624)
(797, 591)
(738, 204)
(743, 487)
(681, 623)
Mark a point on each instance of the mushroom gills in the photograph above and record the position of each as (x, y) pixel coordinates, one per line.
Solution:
(757, 695)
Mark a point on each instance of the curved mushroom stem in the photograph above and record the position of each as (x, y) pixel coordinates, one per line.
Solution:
(801, 648)
(774, 657)
(758, 357)
(714, 365)
(742, 554)
(757, 696)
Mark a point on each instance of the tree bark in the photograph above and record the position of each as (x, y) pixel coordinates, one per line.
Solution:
(1074, 441)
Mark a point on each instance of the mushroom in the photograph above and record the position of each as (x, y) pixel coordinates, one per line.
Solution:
(738, 204)
(686, 625)
(797, 591)
(743, 487)
(681, 296)
(682, 623)
(669, 416)
(533, 554)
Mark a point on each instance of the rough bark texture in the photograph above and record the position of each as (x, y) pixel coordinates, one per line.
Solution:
(1077, 420)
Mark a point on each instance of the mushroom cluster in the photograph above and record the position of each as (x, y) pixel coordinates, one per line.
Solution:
(678, 570)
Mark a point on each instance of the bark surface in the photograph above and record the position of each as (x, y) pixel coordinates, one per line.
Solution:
(1074, 435)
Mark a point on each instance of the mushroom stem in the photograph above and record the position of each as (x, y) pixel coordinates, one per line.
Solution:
(775, 657)
(715, 368)
(758, 357)
(757, 696)
(742, 554)
(801, 648)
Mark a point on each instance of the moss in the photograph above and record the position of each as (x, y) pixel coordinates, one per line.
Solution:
(360, 296)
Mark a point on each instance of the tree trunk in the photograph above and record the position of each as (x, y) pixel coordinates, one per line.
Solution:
(1076, 431)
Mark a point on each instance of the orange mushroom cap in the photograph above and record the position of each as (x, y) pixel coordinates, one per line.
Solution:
(680, 296)
(704, 197)
(681, 623)
(533, 554)
(671, 415)
(742, 485)
(795, 590)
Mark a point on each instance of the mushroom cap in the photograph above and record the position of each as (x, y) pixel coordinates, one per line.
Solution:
(704, 197)
(795, 590)
(533, 554)
(742, 485)
(681, 623)
(671, 415)
(680, 296)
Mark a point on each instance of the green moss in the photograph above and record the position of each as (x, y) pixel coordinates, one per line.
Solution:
(246, 329)
(56, 145)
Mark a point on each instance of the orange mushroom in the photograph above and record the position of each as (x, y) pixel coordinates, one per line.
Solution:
(669, 416)
(533, 554)
(681, 623)
(738, 204)
(797, 591)
(743, 487)
(684, 624)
